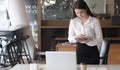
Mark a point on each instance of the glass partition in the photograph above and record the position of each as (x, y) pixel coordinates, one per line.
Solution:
(56, 9)
(61, 9)
(3, 10)
(31, 10)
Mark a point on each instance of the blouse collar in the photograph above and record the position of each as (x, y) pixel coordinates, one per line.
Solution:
(88, 20)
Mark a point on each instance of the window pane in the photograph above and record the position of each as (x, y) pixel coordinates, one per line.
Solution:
(31, 10)
(56, 9)
(3, 13)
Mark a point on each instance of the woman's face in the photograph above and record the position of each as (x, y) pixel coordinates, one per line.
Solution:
(81, 13)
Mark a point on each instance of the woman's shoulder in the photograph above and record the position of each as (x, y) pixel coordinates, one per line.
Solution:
(74, 19)
(94, 19)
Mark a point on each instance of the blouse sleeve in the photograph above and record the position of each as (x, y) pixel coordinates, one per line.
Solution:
(98, 35)
(71, 33)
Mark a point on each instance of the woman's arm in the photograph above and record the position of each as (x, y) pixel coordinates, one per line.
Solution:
(98, 35)
(71, 33)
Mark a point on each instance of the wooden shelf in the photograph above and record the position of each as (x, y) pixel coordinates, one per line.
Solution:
(109, 38)
(65, 24)
(112, 38)
(110, 26)
(54, 26)
(56, 31)
(61, 38)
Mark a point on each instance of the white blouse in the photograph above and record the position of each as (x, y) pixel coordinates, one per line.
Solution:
(91, 28)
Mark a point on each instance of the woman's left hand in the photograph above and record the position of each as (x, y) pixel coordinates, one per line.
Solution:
(85, 40)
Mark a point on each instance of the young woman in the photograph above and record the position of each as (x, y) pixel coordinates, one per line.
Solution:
(85, 31)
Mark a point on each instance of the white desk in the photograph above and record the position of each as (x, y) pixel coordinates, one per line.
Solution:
(89, 67)
(7, 35)
(12, 29)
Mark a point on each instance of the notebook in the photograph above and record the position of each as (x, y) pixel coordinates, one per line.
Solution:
(59, 60)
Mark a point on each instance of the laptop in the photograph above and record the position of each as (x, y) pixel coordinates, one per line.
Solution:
(59, 60)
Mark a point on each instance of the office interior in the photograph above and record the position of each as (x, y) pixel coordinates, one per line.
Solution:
(52, 32)
(49, 22)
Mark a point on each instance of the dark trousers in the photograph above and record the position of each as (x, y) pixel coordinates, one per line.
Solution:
(87, 54)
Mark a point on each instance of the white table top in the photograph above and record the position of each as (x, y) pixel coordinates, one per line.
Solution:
(11, 28)
(89, 67)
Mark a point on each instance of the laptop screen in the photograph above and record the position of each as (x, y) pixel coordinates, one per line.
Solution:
(59, 60)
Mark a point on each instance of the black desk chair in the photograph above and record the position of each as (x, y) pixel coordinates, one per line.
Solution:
(9, 55)
(4, 40)
(104, 51)
(12, 53)
(25, 50)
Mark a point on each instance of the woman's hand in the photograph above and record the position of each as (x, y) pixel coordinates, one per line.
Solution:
(85, 40)
(81, 38)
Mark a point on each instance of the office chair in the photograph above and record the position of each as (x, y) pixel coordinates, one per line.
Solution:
(12, 53)
(25, 49)
(4, 40)
(104, 51)
(9, 55)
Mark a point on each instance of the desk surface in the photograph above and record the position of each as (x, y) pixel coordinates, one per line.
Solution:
(89, 67)
(11, 28)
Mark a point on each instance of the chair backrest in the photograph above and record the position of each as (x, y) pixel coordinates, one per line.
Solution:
(9, 55)
(12, 51)
(104, 51)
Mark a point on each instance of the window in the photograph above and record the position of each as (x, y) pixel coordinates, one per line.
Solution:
(56, 9)
(31, 10)
(4, 18)
(3, 6)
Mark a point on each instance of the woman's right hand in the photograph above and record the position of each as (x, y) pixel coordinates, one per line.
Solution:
(80, 36)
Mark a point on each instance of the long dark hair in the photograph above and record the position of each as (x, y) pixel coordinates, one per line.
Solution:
(80, 4)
